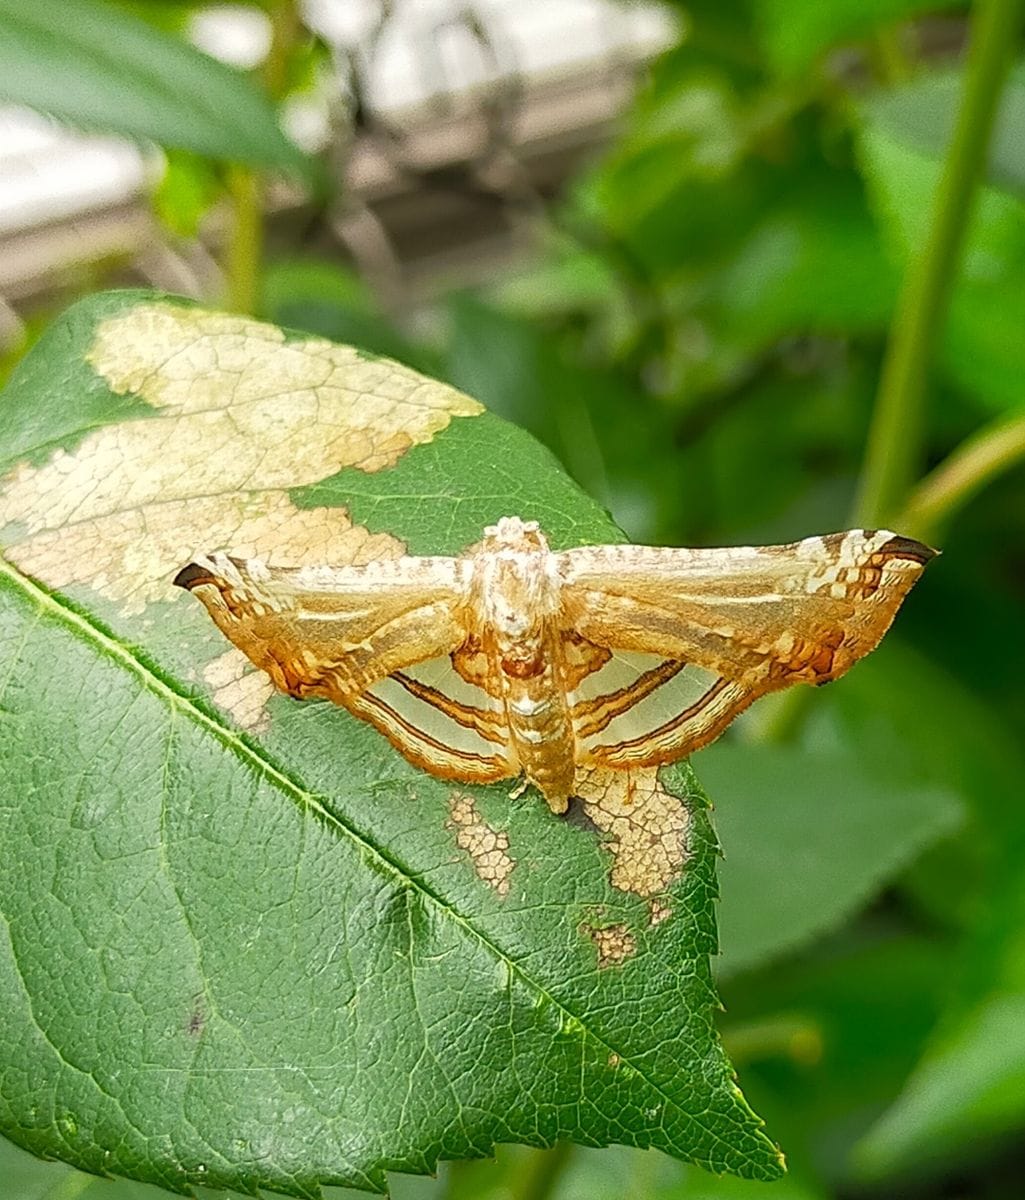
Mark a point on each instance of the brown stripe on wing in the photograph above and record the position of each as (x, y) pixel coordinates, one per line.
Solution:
(487, 725)
(599, 711)
(685, 733)
(425, 751)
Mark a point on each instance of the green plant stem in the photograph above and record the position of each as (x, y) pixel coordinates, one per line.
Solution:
(783, 1036)
(244, 255)
(989, 452)
(894, 451)
(541, 1172)
(286, 29)
(895, 437)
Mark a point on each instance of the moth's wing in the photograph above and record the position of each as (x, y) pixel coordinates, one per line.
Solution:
(440, 722)
(332, 631)
(645, 709)
(736, 623)
(361, 636)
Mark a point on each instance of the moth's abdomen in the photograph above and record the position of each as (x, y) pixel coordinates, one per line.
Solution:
(539, 722)
(543, 739)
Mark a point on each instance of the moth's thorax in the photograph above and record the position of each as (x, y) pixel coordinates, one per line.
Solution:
(517, 583)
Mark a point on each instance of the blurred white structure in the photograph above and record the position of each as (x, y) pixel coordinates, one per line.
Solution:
(68, 198)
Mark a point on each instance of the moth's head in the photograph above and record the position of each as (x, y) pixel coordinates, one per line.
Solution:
(510, 533)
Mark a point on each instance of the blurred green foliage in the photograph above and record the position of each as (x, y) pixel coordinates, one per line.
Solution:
(103, 67)
(699, 339)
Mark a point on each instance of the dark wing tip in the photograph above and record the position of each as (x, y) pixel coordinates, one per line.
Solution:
(905, 547)
(192, 575)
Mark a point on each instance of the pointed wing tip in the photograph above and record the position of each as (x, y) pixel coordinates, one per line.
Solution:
(192, 575)
(905, 547)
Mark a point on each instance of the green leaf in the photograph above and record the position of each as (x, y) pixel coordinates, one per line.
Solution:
(610, 436)
(245, 944)
(921, 116)
(843, 824)
(330, 300)
(858, 1008)
(188, 189)
(968, 1091)
(813, 265)
(796, 32)
(96, 67)
(677, 187)
(905, 707)
(981, 350)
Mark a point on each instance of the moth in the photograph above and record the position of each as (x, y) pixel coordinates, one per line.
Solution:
(511, 659)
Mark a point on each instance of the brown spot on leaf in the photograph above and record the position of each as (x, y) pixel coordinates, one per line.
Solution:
(197, 1019)
(658, 911)
(487, 847)
(614, 943)
(647, 827)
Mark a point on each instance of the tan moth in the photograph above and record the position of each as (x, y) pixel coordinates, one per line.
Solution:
(511, 659)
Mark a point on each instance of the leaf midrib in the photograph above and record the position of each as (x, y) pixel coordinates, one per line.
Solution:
(150, 679)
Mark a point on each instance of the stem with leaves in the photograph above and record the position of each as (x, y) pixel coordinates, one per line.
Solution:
(896, 434)
(894, 453)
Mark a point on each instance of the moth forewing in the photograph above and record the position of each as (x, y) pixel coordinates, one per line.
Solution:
(512, 659)
(332, 632)
(764, 616)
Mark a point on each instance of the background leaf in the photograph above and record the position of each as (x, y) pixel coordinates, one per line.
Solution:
(86, 62)
(841, 823)
(966, 1095)
(980, 351)
(796, 32)
(920, 114)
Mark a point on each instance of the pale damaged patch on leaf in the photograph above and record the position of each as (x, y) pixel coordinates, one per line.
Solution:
(487, 847)
(240, 416)
(240, 688)
(130, 556)
(658, 911)
(614, 943)
(647, 827)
